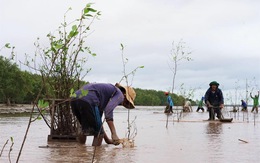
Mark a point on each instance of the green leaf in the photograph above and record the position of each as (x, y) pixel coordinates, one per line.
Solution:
(43, 104)
(84, 92)
(12, 139)
(141, 66)
(86, 10)
(89, 4)
(122, 46)
(93, 54)
(92, 10)
(89, 15)
(99, 13)
(7, 45)
(73, 33)
(72, 93)
(58, 46)
(39, 118)
(74, 28)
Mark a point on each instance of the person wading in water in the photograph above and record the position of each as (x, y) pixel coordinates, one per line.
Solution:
(89, 108)
(214, 100)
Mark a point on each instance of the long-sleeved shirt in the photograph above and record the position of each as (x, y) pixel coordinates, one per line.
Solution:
(200, 104)
(169, 100)
(255, 100)
(105, 96)
(215, 98)
(244, 104)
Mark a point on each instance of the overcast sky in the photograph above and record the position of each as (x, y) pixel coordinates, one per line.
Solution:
(223, 36)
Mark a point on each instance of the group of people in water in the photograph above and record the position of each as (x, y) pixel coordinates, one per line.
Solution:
(103, 98)
(214, 102)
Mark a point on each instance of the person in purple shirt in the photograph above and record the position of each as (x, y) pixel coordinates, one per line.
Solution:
(100, 98)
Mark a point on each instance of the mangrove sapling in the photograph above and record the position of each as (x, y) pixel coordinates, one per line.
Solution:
(178, 53)
(4, 147)
(126, 79)
(61, 66)
(129, 141)
(11, 148)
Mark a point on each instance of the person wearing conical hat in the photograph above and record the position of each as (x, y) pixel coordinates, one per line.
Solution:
(214, 100)
(94, 99)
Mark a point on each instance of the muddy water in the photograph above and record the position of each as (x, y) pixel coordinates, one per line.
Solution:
(189, 140)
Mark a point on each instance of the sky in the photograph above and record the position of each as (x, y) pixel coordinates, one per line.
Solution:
(223, 37)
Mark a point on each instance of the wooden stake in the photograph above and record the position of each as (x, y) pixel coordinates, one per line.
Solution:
(243, 140)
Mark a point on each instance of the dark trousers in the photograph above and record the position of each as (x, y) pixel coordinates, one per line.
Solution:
(200, 108)
(213, 111)
(88, 116)
(168, 109)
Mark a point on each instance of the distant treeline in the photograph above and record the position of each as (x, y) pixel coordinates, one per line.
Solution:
(17, 86)
(156, 98)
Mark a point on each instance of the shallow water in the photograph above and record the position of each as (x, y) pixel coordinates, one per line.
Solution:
(188, 140)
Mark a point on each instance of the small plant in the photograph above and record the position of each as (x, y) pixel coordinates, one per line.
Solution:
(178, 54)
(61, 67)
(125, 78)
(10, 149)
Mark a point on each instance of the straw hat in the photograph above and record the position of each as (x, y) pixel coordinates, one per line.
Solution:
(129, 94)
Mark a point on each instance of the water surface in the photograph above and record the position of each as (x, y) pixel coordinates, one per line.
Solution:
(191, 139)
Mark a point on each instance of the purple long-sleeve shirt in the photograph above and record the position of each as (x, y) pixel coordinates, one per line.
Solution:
(105, 96)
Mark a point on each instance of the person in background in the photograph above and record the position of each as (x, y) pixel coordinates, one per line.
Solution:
(256, 102)
(187, 106)
(214, 100)
(170, 103)
(244, 105)
(200, 105)
(94, 99)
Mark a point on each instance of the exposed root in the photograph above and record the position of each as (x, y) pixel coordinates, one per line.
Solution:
(127, 143)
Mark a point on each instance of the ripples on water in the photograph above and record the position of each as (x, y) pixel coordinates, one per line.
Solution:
(190, 140)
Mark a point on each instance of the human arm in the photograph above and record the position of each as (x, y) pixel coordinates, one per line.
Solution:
(107, 139)
(115, 139)
(221, 100)
(207, 99)
(113, 102)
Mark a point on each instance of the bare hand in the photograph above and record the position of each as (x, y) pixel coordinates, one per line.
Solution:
(221, 106)
(115, 139)
(107, 140)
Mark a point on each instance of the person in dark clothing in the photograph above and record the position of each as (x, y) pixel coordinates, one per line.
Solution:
(200, 105)
(244, 105)
(94, 99)
(214, 100)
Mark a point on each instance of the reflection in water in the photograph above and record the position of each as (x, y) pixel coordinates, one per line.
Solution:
(214, 128)
(214, 134)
